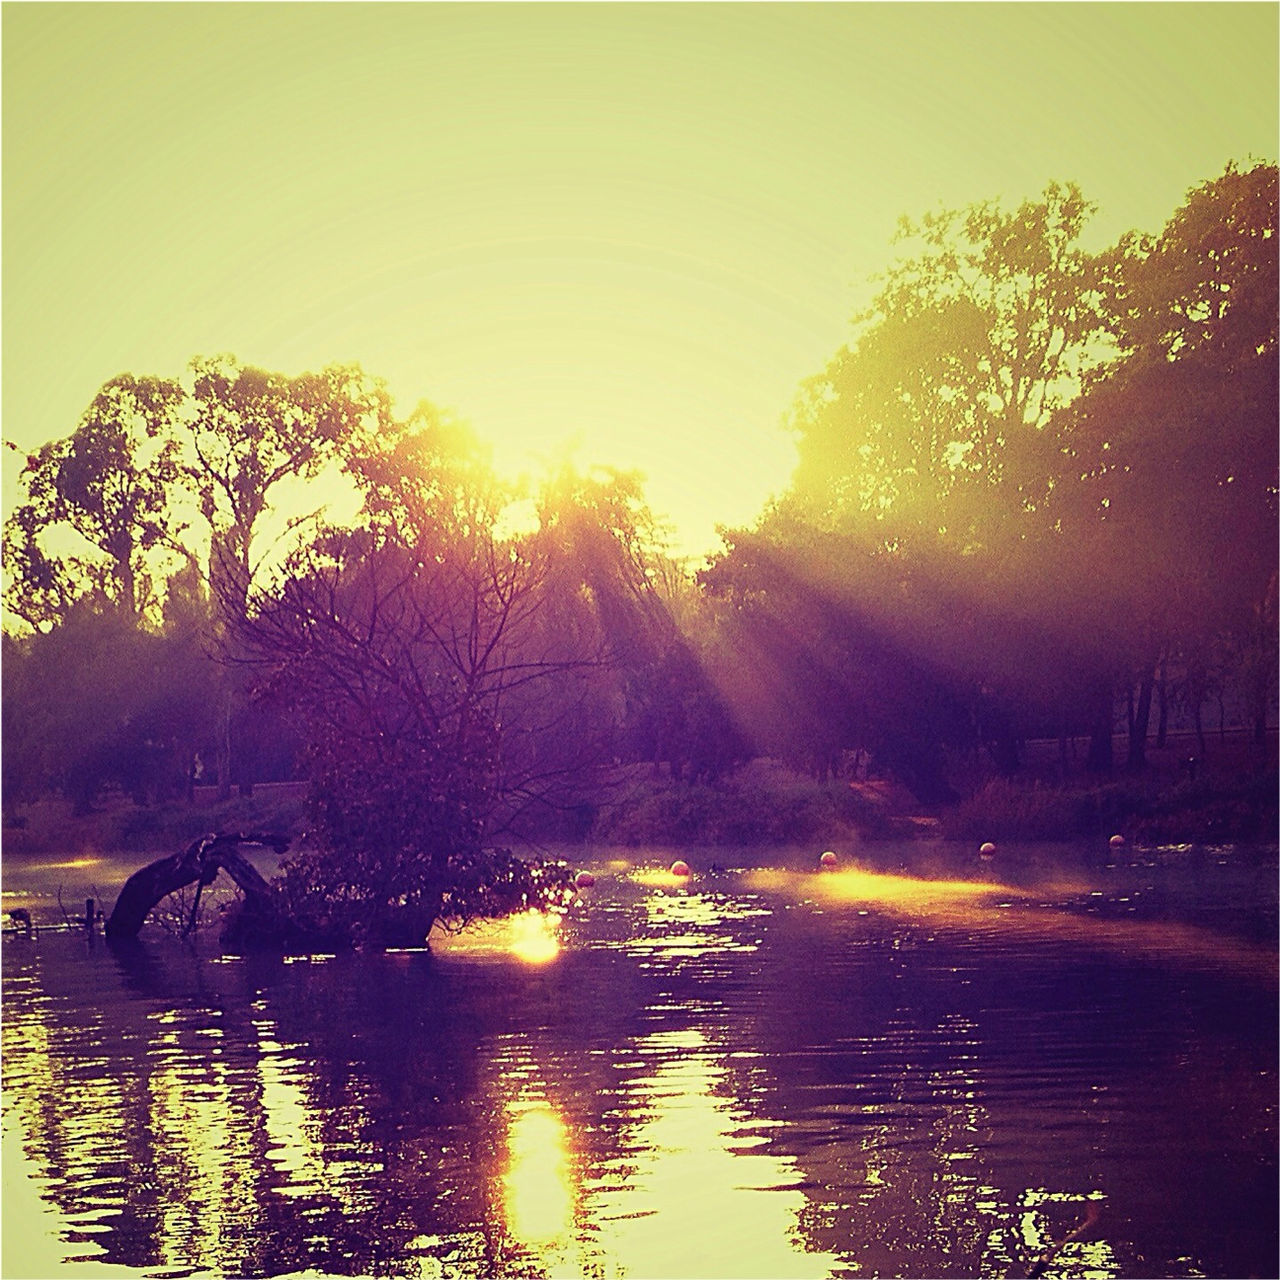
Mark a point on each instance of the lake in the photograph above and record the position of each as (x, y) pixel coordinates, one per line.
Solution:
(918, 1063)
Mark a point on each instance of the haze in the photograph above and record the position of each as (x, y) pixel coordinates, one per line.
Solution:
(622, 231)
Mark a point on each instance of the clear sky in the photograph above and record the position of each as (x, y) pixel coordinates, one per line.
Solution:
(632, 227)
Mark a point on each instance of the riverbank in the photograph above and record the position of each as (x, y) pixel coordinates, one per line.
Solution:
(1177, 799)
(51, 827)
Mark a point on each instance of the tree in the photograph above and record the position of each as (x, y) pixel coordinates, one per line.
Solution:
(1073, 454)
(1205, 288)
(103, 493)
(888, 582)
(182, 715)
(249, 433)
(1174, 509)
(931, 426)
(830, 657)
(84, 707)
(412, 647)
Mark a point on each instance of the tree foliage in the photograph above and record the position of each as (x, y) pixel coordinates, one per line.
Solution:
(1173, 505)
(104, 493)
(1038, 474)
(931, 425)
(100, 701)
(249, 431)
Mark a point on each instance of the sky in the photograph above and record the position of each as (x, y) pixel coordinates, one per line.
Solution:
(622, 232)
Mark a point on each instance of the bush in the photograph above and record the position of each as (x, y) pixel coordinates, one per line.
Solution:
(1204, 809)
(1207, 810)
(734, 814)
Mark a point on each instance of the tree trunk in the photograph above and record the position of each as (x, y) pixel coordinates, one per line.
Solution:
(1100, 759)
(199, 862)
(1139, 722)
(223, 754)
(1162, 724)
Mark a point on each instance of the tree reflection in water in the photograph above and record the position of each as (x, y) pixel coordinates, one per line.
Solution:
(719, 1078)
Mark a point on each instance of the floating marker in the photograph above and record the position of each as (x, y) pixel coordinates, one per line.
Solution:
(679, 867)
(1116, 842)
(584, 880)
(987, 850)
(828, 859)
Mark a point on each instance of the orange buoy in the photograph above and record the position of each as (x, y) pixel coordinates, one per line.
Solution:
(987, 850)
(828, 859)
(679, 867)
(584, 880)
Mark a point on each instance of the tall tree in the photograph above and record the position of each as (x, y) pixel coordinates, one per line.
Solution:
(1205, 287)
(931, 424)
(248, 434)
(96, 510)
(837, 652)
(928, 456)
(1174, 514)
(91, 703)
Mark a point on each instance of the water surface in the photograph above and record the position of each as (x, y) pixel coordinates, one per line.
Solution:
(927, 1065)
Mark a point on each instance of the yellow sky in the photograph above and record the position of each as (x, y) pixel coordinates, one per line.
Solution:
(633, 226)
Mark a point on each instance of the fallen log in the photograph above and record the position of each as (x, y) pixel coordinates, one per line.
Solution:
(198, 864)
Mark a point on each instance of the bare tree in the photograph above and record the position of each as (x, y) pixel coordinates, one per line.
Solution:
(444, 686)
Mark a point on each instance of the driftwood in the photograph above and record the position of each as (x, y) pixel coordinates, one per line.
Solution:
(198, 864)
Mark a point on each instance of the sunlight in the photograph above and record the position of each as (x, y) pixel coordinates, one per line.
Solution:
(538, 1186)
(533, 937)
(661, 878)
(69, 864)
(289, 1121)
(517, 520)
(198, 1143)
(697, 1178)
(986, 904)
(38, 1248)
(856, 885)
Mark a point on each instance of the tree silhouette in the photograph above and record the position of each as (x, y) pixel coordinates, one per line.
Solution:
(248, 433)
(103, 492)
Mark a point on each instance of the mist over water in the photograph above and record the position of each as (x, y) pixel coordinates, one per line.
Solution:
(912, 1064)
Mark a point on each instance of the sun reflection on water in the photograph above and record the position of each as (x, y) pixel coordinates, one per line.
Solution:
(538, 1184)
(1040, 915)
(856, 885)
(694, 1192)
(63, 864)
(532, 937)
(681, 1099)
